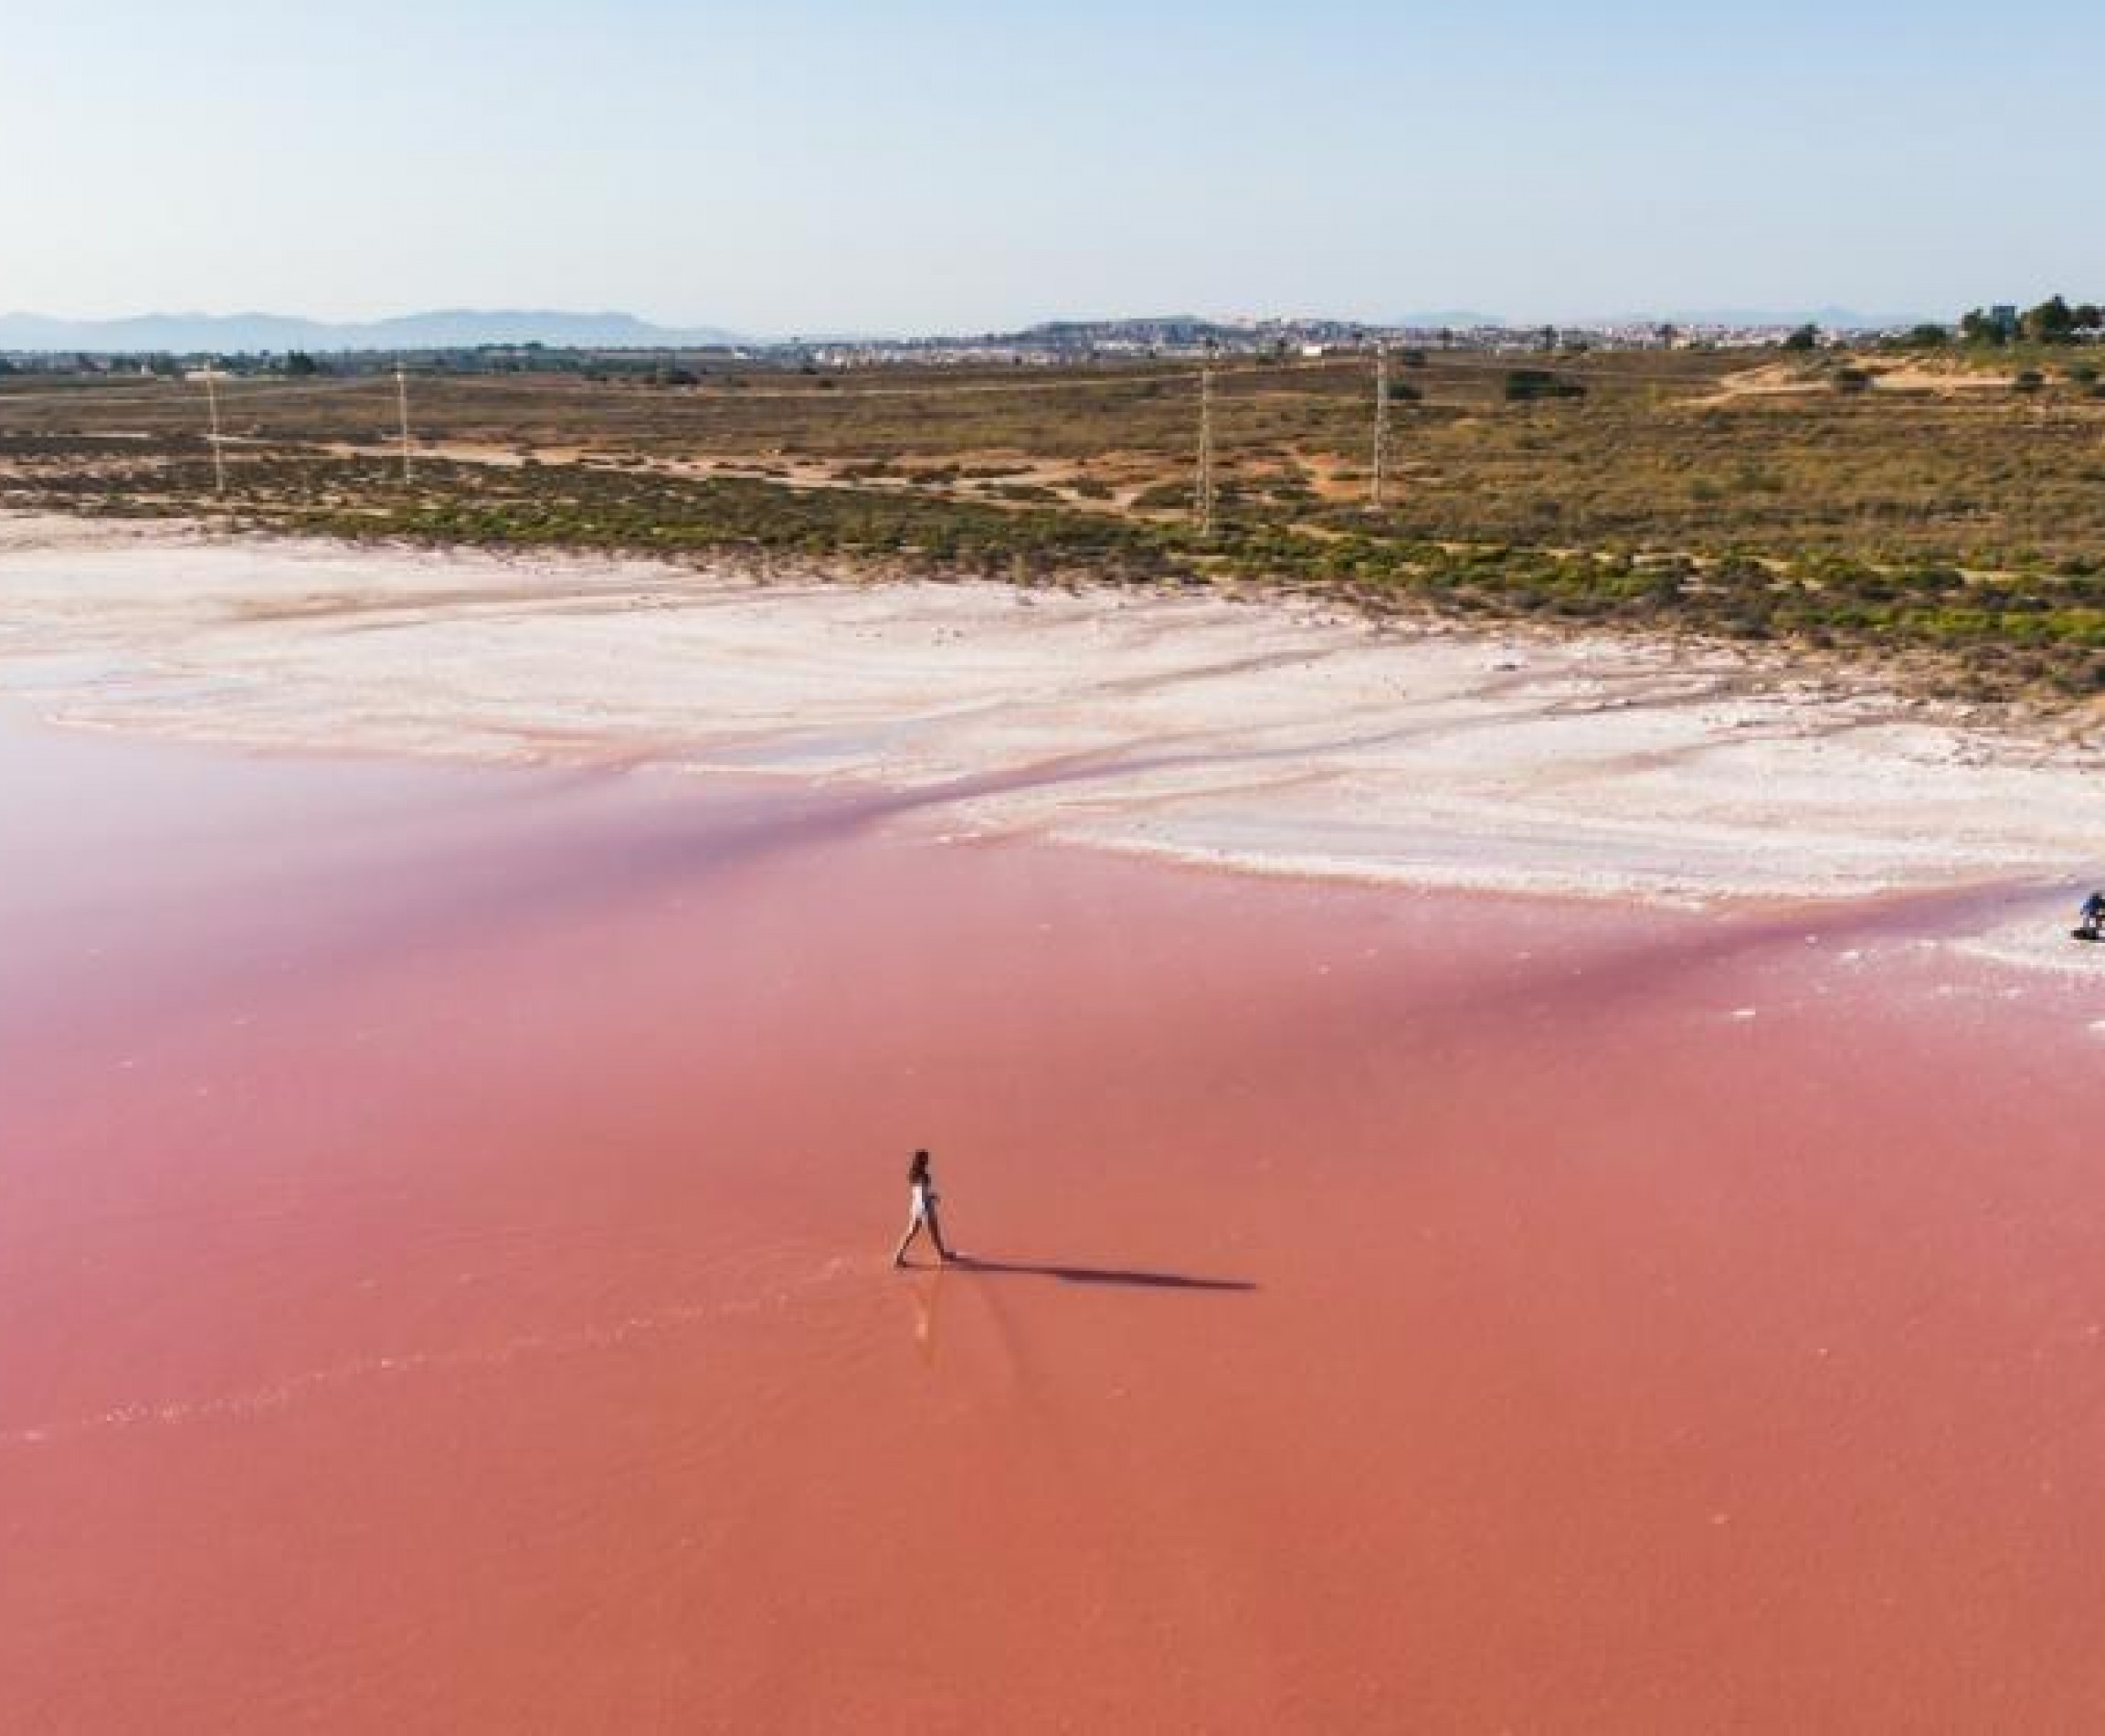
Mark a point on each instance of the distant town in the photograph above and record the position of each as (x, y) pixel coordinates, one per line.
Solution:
(619, 344)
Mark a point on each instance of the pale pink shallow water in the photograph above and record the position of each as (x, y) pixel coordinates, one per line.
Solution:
(442, 1221)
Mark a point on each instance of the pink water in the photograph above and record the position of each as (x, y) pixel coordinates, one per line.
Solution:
(443, 1223)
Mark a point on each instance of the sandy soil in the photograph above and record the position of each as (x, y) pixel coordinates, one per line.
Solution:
(1274, 737)
(1011, 469)
(1794, 378)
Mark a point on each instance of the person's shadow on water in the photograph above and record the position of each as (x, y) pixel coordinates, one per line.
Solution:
(1094, 1274)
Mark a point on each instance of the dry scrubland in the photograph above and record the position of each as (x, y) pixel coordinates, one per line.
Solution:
(1947, 515)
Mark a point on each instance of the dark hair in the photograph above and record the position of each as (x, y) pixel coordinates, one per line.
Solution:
(918, 1167)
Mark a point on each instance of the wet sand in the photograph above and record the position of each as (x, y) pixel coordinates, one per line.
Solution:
(443, 1222)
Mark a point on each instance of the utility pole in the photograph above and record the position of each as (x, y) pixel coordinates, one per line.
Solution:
(212, 410)
(1203, 501)
(402, 413)
(1380, 426)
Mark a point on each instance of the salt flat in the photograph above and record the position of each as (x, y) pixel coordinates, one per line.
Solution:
(1274, 736)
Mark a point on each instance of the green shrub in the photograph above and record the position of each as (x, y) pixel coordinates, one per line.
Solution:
(1529, 385)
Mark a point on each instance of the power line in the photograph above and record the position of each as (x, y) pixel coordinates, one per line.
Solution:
(733, 395)
(1202, 503)
(218, 451)
(240, 390)
(264, 391)
(1381, 427)
(402, 407)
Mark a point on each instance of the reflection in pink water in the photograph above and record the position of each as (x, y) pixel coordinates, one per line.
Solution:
(443, 1218)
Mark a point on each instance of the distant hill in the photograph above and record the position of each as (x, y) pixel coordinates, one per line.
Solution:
(450, 328)
(1828, 318)
(1448, 320)
(1833, 319)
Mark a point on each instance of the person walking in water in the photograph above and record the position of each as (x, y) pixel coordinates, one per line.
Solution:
(922, 1211)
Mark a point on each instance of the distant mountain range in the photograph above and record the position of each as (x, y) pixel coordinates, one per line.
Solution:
(468, 328)
(1450, 319)
(448, 329)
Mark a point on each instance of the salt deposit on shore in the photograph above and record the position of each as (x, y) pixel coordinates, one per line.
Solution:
(1283, 737)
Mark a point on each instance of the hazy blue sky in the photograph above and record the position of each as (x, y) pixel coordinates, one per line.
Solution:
(807, 165)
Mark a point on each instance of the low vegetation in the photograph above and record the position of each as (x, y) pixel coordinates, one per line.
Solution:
(1943, 503)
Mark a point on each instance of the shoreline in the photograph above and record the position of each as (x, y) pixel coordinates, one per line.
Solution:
(1283, 735)
(1904, 679)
